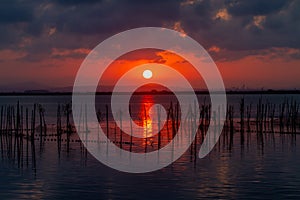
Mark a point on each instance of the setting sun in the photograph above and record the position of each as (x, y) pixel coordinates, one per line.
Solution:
(147, 74)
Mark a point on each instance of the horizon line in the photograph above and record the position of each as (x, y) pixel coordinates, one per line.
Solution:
(153, 92)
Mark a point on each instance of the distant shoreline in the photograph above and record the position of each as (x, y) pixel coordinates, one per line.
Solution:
(150, 92)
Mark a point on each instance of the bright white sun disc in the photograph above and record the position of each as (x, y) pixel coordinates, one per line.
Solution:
(147, 74)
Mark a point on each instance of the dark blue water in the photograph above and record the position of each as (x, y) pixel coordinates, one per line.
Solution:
(255, 170)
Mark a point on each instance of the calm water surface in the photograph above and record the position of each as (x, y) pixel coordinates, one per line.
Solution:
(255, 170)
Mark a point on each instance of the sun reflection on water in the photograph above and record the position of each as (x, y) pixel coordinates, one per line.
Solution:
(145, 112)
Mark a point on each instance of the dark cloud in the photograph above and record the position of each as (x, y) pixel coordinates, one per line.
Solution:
(72, 24)
(276, 25)
(197, 16)
(15, 11)
(75, 2)
(255, 7)
(115, 16)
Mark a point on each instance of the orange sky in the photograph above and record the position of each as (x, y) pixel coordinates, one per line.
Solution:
(139, 57)
(255, 72)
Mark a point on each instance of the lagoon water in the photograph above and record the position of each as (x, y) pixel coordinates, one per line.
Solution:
(254, 170)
